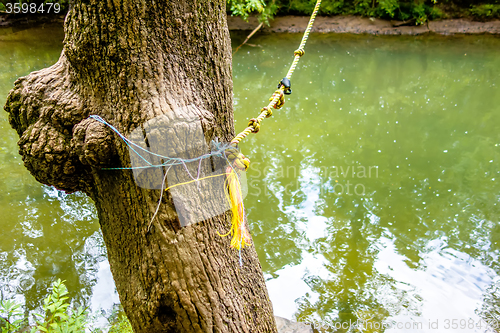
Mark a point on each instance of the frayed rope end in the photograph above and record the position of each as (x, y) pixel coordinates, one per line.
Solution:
(239, 231)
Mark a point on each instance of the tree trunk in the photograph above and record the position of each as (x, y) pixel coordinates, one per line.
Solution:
(130, 62)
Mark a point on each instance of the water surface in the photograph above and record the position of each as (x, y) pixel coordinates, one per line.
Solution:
(373, 194)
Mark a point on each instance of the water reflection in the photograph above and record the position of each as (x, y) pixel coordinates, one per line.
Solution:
(46, 234)
(418, 240)
(373, 194)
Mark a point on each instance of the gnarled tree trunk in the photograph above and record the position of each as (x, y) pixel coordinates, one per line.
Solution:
(130, 62)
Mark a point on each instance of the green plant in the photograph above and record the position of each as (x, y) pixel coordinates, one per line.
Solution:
(417, 11)
(9, 311)
(420, 12)
(364, 7)
(57, 318)
(485, 11)
(389, 6)
(120, 324)
(243, 8)
(436, 13)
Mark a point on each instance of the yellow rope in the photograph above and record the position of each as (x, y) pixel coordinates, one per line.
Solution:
(170, 187)
(277, 99)
(194, 180)
(241, 237)
(238, 230)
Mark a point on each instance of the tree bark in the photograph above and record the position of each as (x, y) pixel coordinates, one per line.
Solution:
(130, 62)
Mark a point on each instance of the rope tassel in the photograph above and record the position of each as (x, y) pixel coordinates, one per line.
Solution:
(239, 231)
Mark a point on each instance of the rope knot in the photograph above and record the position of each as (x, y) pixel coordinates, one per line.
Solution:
(299, 52)
(237, 159)
(269, 111)
(255, 124)
(241, 163)
(281, 100)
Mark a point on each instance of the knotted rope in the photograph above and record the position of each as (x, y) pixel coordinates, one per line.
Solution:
(277, 100)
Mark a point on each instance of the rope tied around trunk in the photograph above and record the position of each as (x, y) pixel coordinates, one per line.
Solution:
(237, 162)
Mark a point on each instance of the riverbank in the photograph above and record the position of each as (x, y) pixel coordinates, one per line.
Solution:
(363, 25)
(27, 21)
(324, 24)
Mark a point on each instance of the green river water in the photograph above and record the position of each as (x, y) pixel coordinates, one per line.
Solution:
(373, 195)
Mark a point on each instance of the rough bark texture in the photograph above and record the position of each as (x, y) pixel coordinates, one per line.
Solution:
(129, 62)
